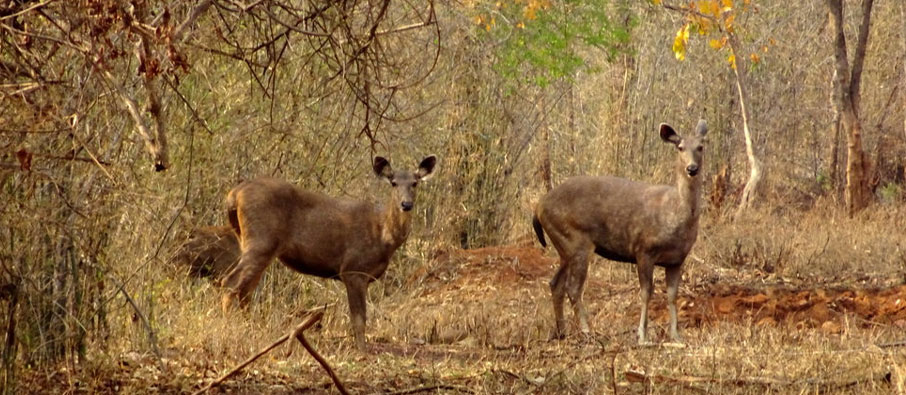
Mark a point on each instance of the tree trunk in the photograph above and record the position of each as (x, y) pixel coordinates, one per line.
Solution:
(756, 170)
(857, 194)
(903, 18)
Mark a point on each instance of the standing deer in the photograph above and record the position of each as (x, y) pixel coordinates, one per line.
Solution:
(625, 221)
(314, 234)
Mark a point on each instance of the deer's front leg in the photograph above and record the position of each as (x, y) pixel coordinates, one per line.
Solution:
(356, 292)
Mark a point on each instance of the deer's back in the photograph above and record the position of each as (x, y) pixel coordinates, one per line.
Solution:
(621, 217)
(312, 232)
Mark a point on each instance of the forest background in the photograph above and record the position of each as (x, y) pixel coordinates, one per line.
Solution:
(124, 123)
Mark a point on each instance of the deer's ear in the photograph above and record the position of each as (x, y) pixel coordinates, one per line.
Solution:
(382, 167)
(702, 128)
(426, 167)
(669, 135)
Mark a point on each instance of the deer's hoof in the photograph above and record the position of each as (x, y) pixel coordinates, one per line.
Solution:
(645, 343)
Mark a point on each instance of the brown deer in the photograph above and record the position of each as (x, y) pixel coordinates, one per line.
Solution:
(314, 234)
(624, 221)
(210, 251)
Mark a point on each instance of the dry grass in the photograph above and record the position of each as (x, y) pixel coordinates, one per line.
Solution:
(478, 321)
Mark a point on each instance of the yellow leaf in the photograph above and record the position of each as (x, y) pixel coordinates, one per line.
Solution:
(729, 20)
(732, 60)
(715, 9)
(716, 44)
(727, 5)
(679, 43)
(754, 57)
(656, 2)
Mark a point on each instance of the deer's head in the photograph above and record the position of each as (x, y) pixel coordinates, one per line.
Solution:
(690, 148)
(404, 182)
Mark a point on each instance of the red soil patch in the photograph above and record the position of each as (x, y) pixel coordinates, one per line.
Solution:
(491, 266)
(803, 308)
(512, 267)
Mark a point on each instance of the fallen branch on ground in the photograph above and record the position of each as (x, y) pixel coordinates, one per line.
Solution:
(900, 343)
(311, 321)
(636, 376)
(299, 334)
(431, 388)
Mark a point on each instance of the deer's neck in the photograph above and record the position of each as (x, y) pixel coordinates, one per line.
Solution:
(395, 225)
(689, 189)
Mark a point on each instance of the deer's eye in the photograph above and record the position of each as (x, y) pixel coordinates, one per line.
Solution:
(681, 149)
(700, 149)
(414, 184)
(392, 183)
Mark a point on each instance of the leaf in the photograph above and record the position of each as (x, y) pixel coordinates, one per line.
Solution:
(732, 60)
(716, 44)
(755, 58)
(727, 5)
(679, 43)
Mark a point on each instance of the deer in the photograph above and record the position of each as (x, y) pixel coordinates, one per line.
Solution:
(336, 238)
(210, 251)
(625, 221)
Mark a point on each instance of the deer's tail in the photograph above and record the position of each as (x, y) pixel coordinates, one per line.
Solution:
(539, 231)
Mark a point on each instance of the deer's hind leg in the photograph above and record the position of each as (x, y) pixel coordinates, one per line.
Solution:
(244, 278)
(558, 291)
(569, 280)
(575, 285)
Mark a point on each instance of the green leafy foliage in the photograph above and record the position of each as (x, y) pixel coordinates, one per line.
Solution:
(541, 41)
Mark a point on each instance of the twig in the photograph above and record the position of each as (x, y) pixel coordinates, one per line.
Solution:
(518, 377)
(900, 343)
(152, 337)
(300, 336)
(636, 376)
(428, 388)
(312, 319)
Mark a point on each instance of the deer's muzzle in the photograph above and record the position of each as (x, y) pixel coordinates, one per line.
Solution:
(692, 170)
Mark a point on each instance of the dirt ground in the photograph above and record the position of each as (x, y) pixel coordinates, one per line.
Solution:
(795, 306)
(477, 321)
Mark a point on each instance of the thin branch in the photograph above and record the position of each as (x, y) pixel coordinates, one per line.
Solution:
(152, 337)
(34, 7)
(900, 343)
(299, 334)
(430, 388)
(158, 154)
(311, 321)
(855, 80)
(190, 19)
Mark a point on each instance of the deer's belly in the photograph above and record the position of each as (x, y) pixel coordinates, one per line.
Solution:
(323, 271)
